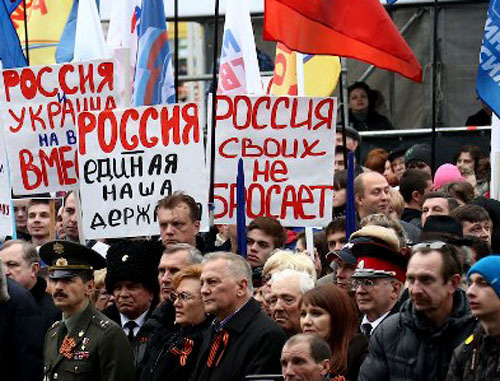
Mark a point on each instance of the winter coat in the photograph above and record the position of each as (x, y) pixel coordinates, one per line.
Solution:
(21, 333)
(477, 359)
(252, 346)
(49, 312)
(406, 346)
(173, 354)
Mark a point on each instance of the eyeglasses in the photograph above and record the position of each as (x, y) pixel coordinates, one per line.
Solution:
(183, 297)
(367, 284)
(436, 245)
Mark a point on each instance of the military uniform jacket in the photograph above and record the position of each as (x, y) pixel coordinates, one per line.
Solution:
(95, 349)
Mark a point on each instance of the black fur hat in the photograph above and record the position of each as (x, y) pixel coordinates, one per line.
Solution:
(134, 261)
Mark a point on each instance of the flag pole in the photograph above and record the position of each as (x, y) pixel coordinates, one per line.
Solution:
(176, 48)
(213, 119)
(434, 80)
(344, 115)
(26, 43)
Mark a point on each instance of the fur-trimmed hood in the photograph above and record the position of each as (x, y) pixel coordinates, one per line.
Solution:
(4, 293)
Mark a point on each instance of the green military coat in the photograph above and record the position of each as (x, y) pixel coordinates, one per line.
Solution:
(95, 349)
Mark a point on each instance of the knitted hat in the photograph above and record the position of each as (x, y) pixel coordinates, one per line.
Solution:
(134, 261)
(420, 152)
(489, 268)
(445, 174)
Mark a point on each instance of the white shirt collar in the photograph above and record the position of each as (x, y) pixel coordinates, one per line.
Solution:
(376, 322)
(139, 321)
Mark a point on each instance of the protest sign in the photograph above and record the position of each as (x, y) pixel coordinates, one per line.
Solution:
(40, 106)
(130, 159)
(6, 217)
(287, 147)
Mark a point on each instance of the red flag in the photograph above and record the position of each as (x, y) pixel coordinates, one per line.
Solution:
(359, 29)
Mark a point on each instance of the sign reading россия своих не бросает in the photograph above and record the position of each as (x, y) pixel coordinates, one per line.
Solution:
(287, 146)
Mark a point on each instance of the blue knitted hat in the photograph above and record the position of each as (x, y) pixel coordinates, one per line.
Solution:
(489, 268)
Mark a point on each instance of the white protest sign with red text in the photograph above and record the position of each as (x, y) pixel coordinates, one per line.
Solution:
(39, 107)
(130, 159)
(287, 147)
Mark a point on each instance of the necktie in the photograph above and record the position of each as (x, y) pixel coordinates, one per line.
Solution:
(367, 329)
(130, 325)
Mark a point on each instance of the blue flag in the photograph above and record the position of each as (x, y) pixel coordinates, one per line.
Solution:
(488, 73)
(66, 46)
(11, 52)
(154, 76)
(390, 2)
(241, 203)
(350, 209)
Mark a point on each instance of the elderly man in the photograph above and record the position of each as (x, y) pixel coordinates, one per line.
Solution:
(132, 279)
(179, 219)
(85, 345)
(477, 357)
(242, 340)
(22, 263)
(287, 288)
(417, 343)
(379, 277)
(305, 357)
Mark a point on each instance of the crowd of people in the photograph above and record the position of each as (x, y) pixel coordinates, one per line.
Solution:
(412, 294)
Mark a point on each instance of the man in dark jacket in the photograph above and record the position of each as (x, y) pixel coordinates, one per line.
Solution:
(21, 333)
(242, 339)
(478, 358)
(22, 263)
(418, 342)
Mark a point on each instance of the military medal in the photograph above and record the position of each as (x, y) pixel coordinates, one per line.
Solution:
(67, 346)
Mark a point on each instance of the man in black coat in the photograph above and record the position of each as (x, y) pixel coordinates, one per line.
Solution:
(242, 340)
(21, 333)
(131, 277)
(22, 263)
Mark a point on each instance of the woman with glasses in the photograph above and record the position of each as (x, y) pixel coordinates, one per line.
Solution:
(172, 355)
(330, 313)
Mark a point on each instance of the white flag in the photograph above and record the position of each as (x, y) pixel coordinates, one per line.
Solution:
(239, 69)
(89, 38)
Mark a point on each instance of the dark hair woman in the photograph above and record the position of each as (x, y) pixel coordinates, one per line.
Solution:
(329, 312)
(362, 112)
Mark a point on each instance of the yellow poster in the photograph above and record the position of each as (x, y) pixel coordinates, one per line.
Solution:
(321, 73)
(46, 20)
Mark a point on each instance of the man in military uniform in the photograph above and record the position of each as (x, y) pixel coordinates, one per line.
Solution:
(85, 344)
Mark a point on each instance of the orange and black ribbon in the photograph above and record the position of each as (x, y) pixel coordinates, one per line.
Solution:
(220, 336)
(185, 352)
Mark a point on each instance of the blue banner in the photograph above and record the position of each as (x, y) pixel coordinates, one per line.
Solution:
(11, 52)
(154, 76)
(488, 73)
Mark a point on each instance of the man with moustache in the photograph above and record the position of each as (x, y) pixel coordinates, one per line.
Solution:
(85, 344)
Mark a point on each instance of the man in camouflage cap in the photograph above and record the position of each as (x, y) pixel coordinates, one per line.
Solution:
(84, 345)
